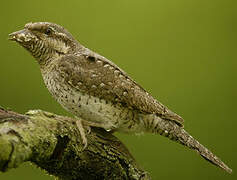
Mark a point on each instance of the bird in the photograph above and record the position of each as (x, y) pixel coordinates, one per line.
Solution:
(97, 91)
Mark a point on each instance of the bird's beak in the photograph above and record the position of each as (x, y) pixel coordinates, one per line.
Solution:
(16, 35)
(21, 36)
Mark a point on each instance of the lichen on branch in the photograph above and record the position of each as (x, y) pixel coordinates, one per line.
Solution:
(53, 143)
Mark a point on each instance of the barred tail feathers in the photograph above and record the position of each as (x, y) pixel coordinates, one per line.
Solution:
(170, 129)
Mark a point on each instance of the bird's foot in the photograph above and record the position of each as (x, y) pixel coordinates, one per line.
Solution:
(84, 128)
(81, 129)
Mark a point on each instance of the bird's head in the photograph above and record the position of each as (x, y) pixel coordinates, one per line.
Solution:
(45, 40)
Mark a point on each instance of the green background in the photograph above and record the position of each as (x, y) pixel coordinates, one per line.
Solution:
(182, 51)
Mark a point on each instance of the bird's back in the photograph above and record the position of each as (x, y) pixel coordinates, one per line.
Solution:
(96, 76)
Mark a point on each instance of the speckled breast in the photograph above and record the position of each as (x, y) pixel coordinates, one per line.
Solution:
(108, 115)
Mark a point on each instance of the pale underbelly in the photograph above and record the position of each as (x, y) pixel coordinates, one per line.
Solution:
(109, 116)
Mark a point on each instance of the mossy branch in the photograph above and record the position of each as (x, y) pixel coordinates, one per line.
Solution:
(53, 143)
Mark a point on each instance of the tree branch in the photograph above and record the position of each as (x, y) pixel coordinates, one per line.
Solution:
(53, 143)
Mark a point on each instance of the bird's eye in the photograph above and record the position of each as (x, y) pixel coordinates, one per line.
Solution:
(48, 31)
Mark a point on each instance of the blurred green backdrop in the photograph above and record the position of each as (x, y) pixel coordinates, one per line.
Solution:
(182, 51)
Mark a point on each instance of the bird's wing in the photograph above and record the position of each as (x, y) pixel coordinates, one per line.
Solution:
(97, 76)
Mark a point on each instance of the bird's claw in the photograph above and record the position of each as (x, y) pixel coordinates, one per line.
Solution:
(82, 133)
(84, 143)
(88, 129)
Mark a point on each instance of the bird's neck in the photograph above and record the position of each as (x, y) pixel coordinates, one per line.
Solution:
(46, 60)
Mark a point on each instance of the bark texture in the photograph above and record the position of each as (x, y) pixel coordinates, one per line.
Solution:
(53, 143)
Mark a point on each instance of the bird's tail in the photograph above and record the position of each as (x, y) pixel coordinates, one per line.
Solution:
(170, 129)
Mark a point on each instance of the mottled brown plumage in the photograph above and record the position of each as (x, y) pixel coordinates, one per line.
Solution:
(96, 90)
(93, 70)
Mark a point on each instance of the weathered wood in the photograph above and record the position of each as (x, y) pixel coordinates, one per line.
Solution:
(53, 143)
